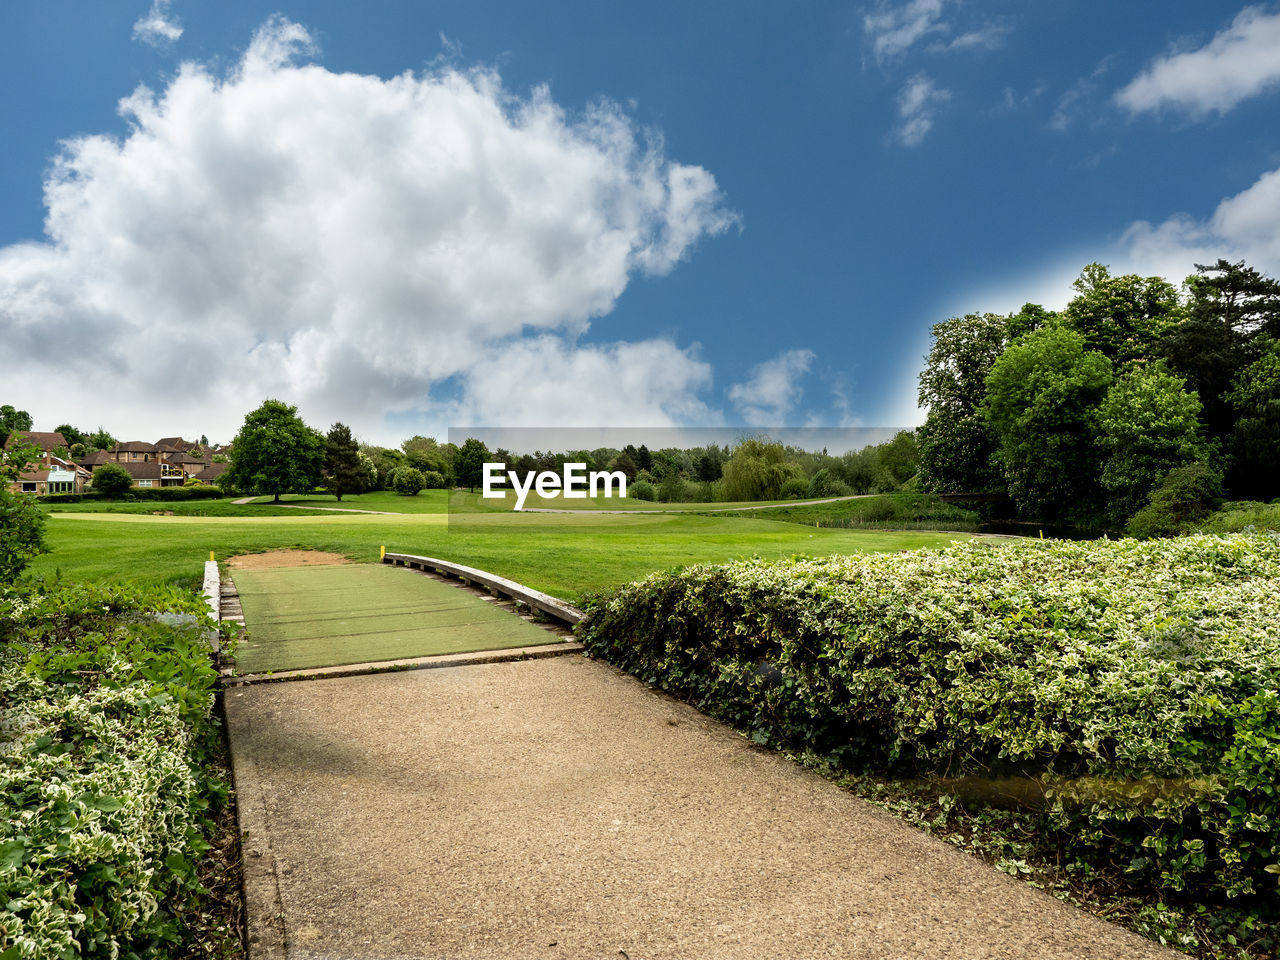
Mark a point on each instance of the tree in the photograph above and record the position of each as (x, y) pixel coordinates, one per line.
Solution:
(469, 464)
(626, 464)
(21, 520)
(1148, 425)
(956, 442)
(1123, 318)
(408, 481)
(275, 453)
(897, 461)
(100, 439)
(343, 470)
(112, 480)
(1232, 309)
(757, 470)
(71, 435)
(1041, 404)
(426, 454)
(1254, 442)
(11, 420)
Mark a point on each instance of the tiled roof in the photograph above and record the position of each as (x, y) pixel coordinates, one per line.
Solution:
(95, 459)
(134, 446)
(212, 472)
(175, 443)
(142, 471)
(45, 441)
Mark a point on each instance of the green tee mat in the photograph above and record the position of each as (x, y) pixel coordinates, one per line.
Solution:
(302, 617)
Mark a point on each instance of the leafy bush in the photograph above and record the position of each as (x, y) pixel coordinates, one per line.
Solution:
(890, 510)
(642, 490)
(793, 489)
(407, 481)
(824, 483)
(21, 521)
(433, 480)
(1136, 681)
(1185, 495)
(171, 494)
(111, 480)
(102, 797)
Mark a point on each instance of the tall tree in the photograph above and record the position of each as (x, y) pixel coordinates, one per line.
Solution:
(956, 442)
(1148, 425)
(1123, 318)
(11, 420)
(344, 472)
(275, 453)
(71, 434)
(1254, 443)
(1042, 399)
(468, 465)
(1231, 307)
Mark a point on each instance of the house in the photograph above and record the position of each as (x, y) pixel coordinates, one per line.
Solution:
(51, 474)
(47, 442)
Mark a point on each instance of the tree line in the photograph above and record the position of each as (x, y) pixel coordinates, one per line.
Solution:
(1137, 406)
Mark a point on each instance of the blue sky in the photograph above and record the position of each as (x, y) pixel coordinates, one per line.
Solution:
(779, 200)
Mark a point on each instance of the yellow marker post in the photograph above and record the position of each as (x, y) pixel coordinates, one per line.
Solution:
(383, 555)
(210, 554)
(1041, 534)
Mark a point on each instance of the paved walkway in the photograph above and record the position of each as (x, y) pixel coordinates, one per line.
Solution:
(559, 809)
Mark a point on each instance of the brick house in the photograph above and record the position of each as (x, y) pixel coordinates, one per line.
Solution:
(49, 473)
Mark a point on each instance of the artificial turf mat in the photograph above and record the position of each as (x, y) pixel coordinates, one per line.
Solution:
(362, 613)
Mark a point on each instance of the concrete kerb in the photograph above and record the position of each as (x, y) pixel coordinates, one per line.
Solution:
(213, 597)
(500, 586)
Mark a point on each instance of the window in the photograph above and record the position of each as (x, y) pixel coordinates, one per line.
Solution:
(28, 487)
(144, 483)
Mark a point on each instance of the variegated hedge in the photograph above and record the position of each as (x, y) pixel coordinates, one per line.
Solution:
(1137, 680)
(105, 718)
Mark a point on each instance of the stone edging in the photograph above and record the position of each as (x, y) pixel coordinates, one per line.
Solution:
(564, 612)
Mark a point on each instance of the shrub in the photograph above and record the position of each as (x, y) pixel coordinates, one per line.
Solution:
(794, 489)
(111, 480)
(1185, 495)
(824, 483)
(102, 796)
(407, 481)
(433, 480)
(21, 521)
(642, 490)
(1135, 681)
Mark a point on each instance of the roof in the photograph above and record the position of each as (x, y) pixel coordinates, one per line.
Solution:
(175, 443)
(45, 441)
(142, 471)
(95, 459)
(134, 446)
(212, 472)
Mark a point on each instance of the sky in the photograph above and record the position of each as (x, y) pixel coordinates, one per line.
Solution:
(415, 216)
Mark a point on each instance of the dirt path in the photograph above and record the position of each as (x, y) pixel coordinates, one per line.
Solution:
(560, 809)
(763, 506)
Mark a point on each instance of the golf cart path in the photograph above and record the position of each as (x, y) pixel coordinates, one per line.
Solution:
(559, 808)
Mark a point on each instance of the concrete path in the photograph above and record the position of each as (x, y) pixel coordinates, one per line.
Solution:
(559, 809)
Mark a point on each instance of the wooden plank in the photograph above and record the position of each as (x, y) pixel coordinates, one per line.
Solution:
(549, 605)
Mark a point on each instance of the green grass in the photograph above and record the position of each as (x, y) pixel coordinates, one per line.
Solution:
(186, 508)
(566, 555)
(425, 501)
(899, 511)
(363, 613)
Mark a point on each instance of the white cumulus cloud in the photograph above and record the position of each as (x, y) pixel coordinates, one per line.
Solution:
(1240, 62)
(917, 104)
(158, 26)
(772, 389)
(360, 246)
(1243, 227)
